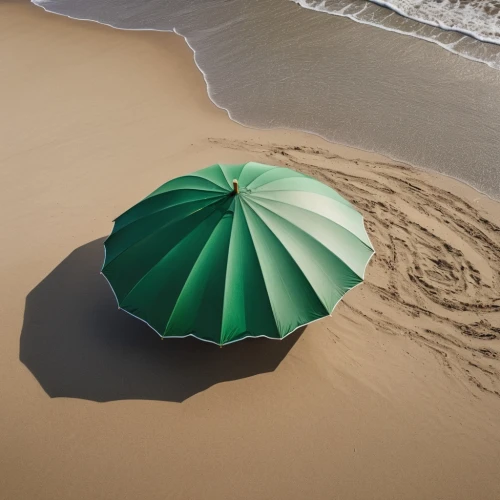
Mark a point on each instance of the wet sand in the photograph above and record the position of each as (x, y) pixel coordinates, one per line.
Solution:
(396, 396)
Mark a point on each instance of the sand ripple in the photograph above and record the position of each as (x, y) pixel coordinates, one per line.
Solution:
(436, 275)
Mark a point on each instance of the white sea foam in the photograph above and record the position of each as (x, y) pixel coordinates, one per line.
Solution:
(458, 26)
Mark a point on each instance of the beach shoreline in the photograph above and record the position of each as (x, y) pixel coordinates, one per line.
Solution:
(395, 396)
(306, 83)
(375, 154)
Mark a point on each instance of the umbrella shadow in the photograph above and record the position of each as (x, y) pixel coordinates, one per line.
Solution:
(78, 344)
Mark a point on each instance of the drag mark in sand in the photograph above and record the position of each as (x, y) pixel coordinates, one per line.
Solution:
(436, 275)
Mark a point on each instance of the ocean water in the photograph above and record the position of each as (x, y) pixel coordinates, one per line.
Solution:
(455, 25)
(274, 63)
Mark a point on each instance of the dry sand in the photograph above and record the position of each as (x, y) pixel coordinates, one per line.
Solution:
(397, 396)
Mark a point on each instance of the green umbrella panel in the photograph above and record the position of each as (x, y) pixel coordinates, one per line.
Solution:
(236, 251)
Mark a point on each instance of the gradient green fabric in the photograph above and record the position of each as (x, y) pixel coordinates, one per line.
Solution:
(197, 258)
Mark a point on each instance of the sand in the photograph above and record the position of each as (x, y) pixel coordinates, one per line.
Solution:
(396, 396)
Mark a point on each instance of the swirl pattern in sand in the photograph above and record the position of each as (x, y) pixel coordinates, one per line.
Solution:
(436, 274)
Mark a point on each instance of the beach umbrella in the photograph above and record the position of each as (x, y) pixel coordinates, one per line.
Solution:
(236, 251)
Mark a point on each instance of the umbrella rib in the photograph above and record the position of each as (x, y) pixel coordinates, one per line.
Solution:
(298, 175)
(290, 255)
(320, 215)
(249, 186)
(211, 205)
(230, 181)
(191, 176)
(243, 169)
(319, 243)
(244, 221)
(306, 177)
(165, 193)
(191, 272)
(164, 257)
(149, 214)
(260, 267)
(286, 190)
(315, 239)
(208, 190)
(207, 179)
(225, 176)
(224, 298)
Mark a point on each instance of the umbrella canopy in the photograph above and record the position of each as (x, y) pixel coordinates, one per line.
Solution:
(235, 251)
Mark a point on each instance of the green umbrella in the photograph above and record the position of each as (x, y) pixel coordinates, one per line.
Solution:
(235, 251)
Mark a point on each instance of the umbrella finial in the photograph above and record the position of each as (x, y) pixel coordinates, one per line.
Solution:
(236, 189)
